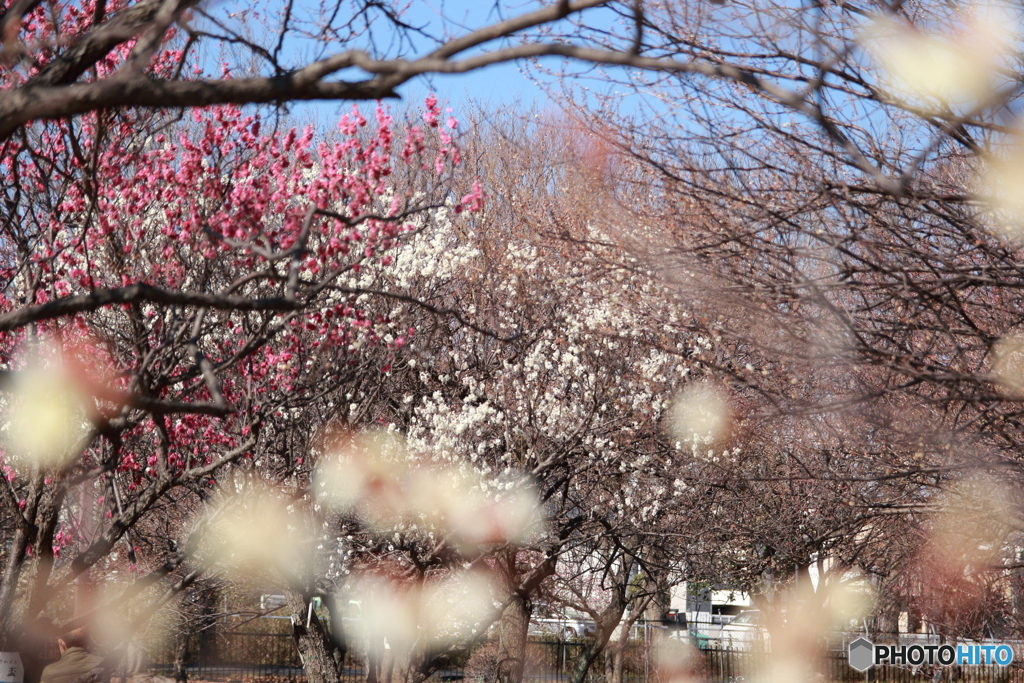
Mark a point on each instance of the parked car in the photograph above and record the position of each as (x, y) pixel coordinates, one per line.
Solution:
(563, 622)
(744, 631)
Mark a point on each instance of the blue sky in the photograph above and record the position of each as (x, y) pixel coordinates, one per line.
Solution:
(502, 84)
(498, 86)
(495, 87)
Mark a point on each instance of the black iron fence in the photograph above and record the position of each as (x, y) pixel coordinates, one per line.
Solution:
(256, 657)
(729, 666)
(272, 658)
(212, 655)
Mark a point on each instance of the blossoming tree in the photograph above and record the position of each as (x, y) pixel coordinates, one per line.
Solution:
(552, 377)
(172, 294)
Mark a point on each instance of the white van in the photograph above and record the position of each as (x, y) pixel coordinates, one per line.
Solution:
(744, 631)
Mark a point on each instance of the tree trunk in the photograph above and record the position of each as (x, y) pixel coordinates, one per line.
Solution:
(405, 667)
(609, 662)
(195, 616)
(515, 622)
(319, 653)
(607, 621)
(619, 658)
(180, 659)
(374, 659)
(887, 617)
(510, 662)
(615, 656)
(20, 570)
(25, 591)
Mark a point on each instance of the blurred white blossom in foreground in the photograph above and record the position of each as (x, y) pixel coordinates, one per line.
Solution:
(421, 613)
(256, 532)
(700, 415)
(370, 474)
(1008, 363)
(1001, 184)
(48, 416)
(958, 67)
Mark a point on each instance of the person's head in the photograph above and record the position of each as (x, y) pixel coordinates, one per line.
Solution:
(76, 638)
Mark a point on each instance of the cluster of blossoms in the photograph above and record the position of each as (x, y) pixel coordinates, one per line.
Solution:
(33, 47)
(579, 380)
(229, 244)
